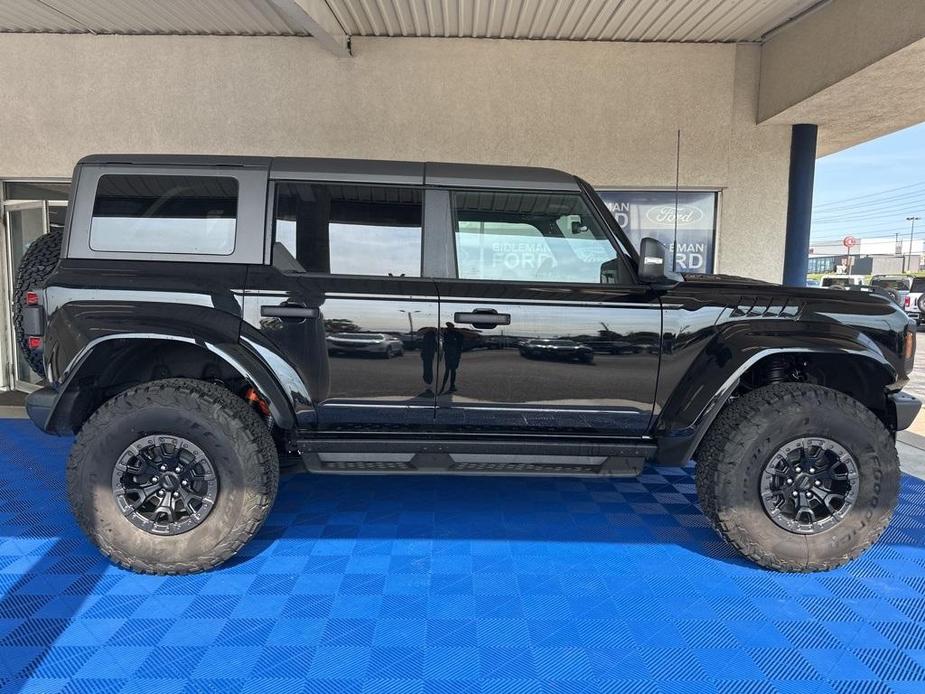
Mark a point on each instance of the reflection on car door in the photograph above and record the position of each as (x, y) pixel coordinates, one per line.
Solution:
(344, 301)
(532, 340)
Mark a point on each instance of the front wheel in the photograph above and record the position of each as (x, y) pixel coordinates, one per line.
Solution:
(798, 477)
(172, 476)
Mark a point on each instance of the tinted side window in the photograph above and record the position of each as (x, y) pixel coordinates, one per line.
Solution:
(530, 237)
(350, 230)
(165, 214)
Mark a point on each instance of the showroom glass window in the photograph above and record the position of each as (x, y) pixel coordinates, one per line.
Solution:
(349, 229)
(165, 214)
(642, 213)
(531, 237)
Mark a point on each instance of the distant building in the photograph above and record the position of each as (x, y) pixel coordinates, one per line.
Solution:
(890, 264)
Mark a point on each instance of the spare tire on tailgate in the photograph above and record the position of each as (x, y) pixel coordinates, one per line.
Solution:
(34, 268)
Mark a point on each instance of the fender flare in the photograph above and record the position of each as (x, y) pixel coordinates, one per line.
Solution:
(237, 356)
(685, 419)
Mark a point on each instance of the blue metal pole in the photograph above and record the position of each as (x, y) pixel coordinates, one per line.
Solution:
(799, 203)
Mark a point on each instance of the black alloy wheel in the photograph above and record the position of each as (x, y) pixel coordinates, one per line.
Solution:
(809, 485)
(164, 485)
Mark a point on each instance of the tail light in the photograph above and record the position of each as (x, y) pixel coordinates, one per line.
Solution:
(33, 319)
(907, 302)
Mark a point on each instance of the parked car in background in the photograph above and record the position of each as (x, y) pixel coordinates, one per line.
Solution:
(376, 344)
(896, 287)
(562, 350)
(842, 281)
(813, 283)
(913, 302)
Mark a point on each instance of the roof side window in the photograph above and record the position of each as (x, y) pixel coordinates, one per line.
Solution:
(348, 229)
(137, 213)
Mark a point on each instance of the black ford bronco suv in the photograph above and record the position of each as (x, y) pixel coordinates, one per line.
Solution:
(205, 322)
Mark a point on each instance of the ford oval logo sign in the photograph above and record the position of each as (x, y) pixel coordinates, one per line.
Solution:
(664, 214)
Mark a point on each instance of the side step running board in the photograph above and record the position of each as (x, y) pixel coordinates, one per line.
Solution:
(506, 457)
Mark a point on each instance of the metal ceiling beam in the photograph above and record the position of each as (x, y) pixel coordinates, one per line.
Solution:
(315, 17)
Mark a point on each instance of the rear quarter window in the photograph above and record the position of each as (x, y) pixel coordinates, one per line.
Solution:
(165, 214)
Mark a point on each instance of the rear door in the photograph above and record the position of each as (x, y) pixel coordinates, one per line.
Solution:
(345, 302)
(543, 325)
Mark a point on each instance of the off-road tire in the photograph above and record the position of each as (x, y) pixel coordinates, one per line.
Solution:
(227, 430)
(34, 268)
(750, 430)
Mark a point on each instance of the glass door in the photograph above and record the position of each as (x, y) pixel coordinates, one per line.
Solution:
(25, 222)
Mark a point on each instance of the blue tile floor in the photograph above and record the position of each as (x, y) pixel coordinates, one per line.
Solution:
(452, 585)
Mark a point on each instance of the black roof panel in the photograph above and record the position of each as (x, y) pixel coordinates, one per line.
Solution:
(489, 176)
(407, 173)
(204, 160)
(365, 170)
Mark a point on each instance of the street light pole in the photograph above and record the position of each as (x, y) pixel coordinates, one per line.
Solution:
(410, 321)
(913, 220)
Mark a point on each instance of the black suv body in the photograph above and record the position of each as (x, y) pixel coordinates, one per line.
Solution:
(195, 289)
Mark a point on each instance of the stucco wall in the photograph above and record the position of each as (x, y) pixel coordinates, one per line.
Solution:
(606, 111)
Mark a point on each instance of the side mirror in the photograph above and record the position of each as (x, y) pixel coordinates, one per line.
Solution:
(655, 263)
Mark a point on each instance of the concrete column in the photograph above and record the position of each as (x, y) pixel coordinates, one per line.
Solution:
(799, 203)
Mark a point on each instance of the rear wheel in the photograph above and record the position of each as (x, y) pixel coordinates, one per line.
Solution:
(34, 268)
(798, 477)
(173, 476)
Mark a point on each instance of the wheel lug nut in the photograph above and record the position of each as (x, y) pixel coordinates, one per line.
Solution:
(154, 479)
(812, 470)
(176, 494)
(163, 468)
(160, 492)
(818, 483)
(798, 469)
(789, 480)
(177, 469)
(796, 494)
(185, 483)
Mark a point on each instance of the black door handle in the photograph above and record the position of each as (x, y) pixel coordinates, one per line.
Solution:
(289, 311)
(483, 317)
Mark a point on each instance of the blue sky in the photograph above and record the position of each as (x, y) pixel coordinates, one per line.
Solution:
(869, 190)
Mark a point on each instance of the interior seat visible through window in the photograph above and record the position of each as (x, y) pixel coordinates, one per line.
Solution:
(351, 230)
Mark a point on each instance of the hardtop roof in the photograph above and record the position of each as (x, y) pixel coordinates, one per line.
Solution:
(362, 170)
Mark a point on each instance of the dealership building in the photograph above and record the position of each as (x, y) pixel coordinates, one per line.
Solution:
(600, 88)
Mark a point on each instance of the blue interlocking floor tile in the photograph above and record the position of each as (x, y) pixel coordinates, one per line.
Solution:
(440, 585)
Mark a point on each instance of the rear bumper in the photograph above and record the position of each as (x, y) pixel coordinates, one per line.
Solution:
(907, 408)
(40, 405)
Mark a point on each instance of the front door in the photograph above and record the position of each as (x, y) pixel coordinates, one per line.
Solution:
(345, 302)
(543, 326)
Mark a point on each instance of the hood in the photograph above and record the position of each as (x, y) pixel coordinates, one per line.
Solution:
(714, 280)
